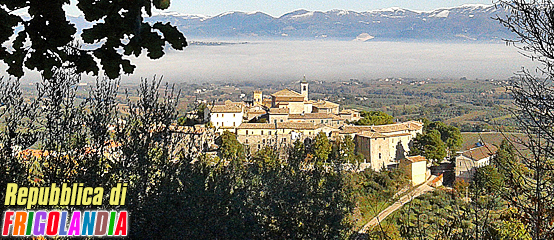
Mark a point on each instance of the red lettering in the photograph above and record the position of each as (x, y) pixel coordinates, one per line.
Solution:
(121, 227)
(53, 222)
(7, 222)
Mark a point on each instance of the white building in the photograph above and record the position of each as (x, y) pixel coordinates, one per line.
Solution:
(226, 116)
(470, 160)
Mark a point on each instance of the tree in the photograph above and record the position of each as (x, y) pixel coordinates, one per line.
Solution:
(533, 174)
(321, 147)
(200, 111)
(17, 132)
(374, 118)
(344, 151)
(450, 135)
(437, 142)
(45, 40)
(229, 147)
(429, 145)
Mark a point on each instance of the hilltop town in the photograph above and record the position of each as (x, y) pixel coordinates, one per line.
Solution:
(279, 118)
(285, 116)
(398, 138)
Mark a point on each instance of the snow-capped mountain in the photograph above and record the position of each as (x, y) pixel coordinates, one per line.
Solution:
(466, 22)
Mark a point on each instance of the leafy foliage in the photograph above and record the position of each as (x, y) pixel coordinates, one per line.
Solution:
(46, 39)
(429, 145)
(174, 191)
(344, 151)
(321, 147)
(450, 135)
(373, 192)
(374, 118)
(437, 142)
(479, 210)
(446, 215)
(532, 175)
(229, 147)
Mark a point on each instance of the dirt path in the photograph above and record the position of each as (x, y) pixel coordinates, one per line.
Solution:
(397, 205)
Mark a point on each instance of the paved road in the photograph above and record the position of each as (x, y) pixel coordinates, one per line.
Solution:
(397, 205)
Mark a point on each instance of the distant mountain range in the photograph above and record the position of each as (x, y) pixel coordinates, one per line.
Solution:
(463, 23)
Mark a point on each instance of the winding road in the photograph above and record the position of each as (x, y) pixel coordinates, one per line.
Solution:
(421, 189)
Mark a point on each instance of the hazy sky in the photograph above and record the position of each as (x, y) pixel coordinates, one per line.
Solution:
(278, 8)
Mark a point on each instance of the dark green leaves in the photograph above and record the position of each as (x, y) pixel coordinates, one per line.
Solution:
(161, 4)
(172, 35)
(42, 43)
(374, 118)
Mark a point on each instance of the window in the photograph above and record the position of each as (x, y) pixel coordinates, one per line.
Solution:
(284, 139)
(263, 141)
(379, 155)
(281, 120)
(247, 141)
(247, 133)
(262, 133)
(233, 115)
(217, 115)
(234, 124)
(304, 88)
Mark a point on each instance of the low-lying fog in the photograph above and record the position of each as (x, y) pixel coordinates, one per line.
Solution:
(332, 60)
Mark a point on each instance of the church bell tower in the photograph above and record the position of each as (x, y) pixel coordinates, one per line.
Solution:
(304, 88)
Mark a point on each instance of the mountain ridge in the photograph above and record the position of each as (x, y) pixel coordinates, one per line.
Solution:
(468, 22)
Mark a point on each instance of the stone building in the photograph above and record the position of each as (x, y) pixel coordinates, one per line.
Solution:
(258, 98)
(350, 115)
(325, 107)
(415, 168)
(317, 118)
(383, 145)
(278, 115)
(292, 100)
(304, 88)
(468, 161)
(258, 135)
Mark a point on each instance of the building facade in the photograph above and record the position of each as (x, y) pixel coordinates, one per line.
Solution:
(416, 169)
(468, 161)
(258, 135)
(226, 116)
(384, 145)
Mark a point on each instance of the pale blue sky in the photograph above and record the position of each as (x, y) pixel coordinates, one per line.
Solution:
(278, 8)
